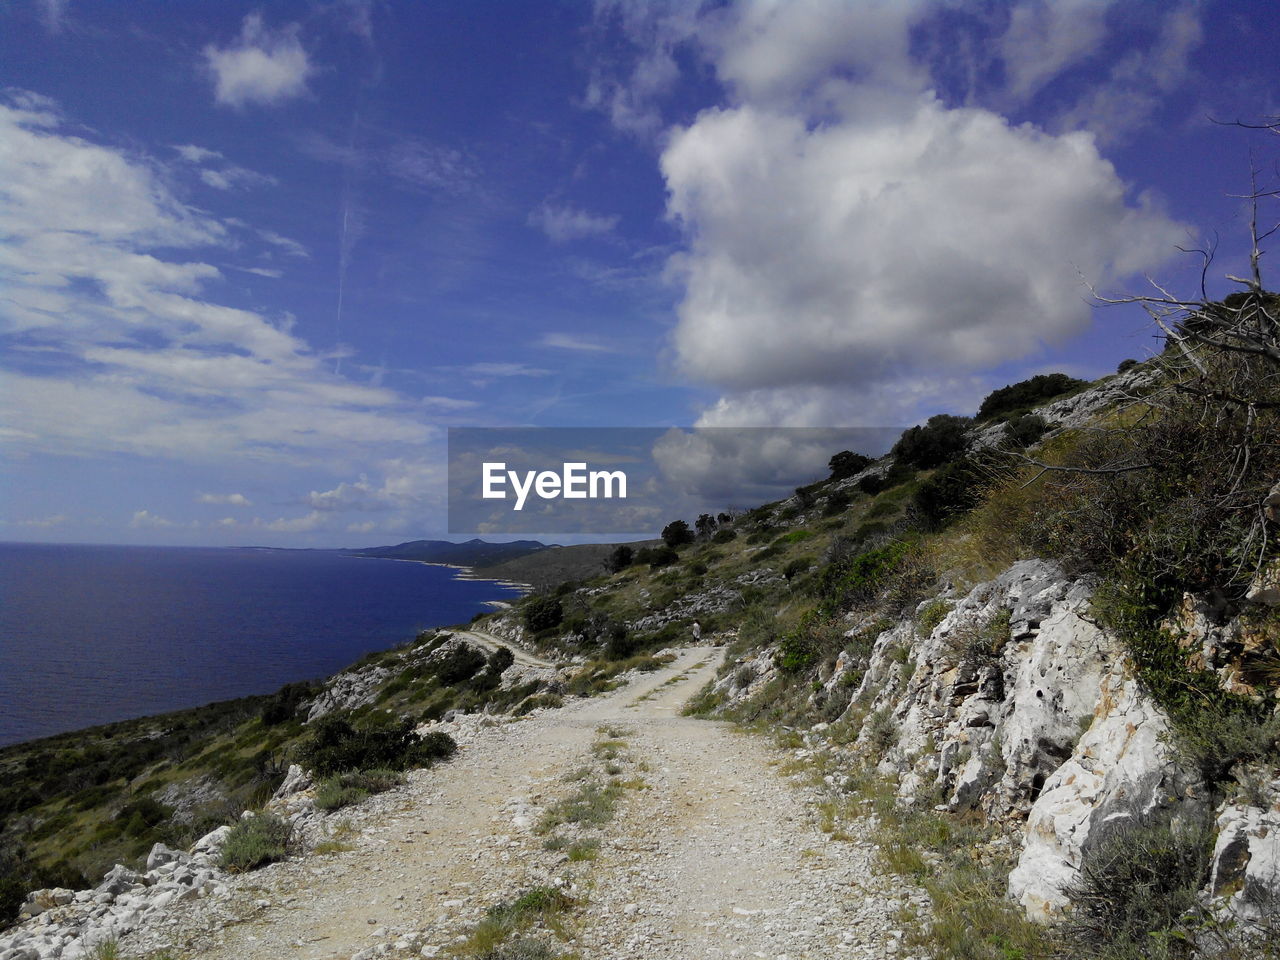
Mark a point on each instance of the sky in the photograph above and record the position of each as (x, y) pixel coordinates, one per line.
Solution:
(256, 259)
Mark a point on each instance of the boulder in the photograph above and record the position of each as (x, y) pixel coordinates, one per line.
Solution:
(1246, 856)
(1121, 771)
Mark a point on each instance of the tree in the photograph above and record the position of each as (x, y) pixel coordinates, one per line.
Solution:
(677, 534)
(619, 559)
(941, 439)
(542, 613)
(706, 526)
(846, 463)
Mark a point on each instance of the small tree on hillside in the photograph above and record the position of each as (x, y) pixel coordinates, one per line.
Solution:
(619, 559)
(706, 526)
(846, 463)
(677, 534)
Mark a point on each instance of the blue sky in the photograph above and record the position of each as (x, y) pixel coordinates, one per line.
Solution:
(256, 259)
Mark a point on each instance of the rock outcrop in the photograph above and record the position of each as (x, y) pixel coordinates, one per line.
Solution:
(1013, 701)
(67, 925)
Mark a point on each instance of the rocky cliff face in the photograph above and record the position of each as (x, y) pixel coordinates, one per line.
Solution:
(1012, 701)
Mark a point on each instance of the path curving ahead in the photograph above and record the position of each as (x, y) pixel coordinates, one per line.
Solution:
(718, 856)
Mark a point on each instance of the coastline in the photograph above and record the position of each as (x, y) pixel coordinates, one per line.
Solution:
(463, 573)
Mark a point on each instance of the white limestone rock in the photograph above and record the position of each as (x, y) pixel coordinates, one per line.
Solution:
(1121, 771)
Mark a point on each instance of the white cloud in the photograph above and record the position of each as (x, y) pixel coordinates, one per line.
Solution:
(146, 520)
(421, 164)
(1137, 81)
(193, 154)
(230, 499)
(136, 357)
(232, 177)
(271, 272)
(44, 523)
(367, 527)
(305, 524)
(292, 247)
(1045, 38)
(504, 370)
(567, 341)
(54, 12)
(265, 67)
(349, 496)
(847, 231)
(855, 253)
(563, 224)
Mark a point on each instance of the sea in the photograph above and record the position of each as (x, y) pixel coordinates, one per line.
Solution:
(95, 634)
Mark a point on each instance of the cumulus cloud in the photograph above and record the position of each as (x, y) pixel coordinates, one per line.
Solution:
(229, 499)
(853, 236)
(856, 253)
(563, 224)
(264, 66)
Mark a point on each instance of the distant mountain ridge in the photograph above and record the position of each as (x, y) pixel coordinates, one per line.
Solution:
(472, 553)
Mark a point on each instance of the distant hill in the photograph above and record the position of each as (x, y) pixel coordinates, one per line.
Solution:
(472, 553)
(555, 565)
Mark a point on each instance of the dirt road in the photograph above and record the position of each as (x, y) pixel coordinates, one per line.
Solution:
(716, 855)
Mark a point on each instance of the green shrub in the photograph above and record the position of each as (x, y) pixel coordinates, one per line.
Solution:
(941, 439)
(677, 534)
(837, 503)
(1026, 430)
(846, 463)
(724, 535)
(284, 704)
(1137, 888)
(657, 557)
(621, 558)
(951, 491)
(542, 612)
(140, 815)
(254, 842)
(345, 789)
(335, 746)
(853, 579)
(932, 615)
(795, 536)
(1021, 396)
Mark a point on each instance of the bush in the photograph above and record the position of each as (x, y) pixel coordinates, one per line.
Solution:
(1025, 430)
(1020, 397)
(657, 557)
(1137, 887)
(284, 704)
(621, 558)
(951, 491)
(853, 579)
(139, 816)
(255, 842)
(458, 665)
(542, 612)
(837, 502)
(941, 439)
(335, 746)
(846, 463)
(677, 534)
(1127, 365)
(724, 535)
(345, 789)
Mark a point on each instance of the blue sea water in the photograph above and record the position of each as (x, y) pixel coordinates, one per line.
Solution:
(93, 634)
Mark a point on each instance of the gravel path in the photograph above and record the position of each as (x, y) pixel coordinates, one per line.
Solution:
(717, 856)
